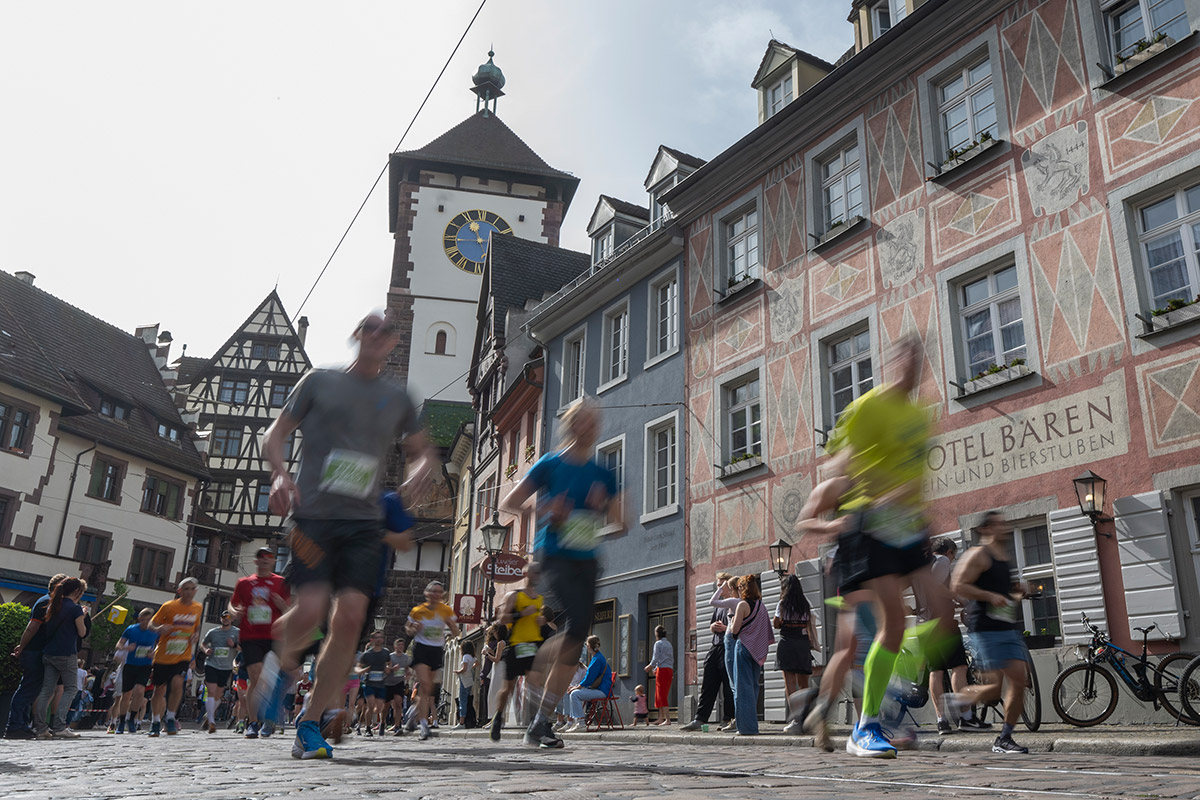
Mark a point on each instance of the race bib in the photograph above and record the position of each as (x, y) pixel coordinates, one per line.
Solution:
(142, 651)
(220, 652)
(349, 473)
(579, 531)
(177, 646)
(375, 676)
(999, 613)
(525, 649)
(897, 526)
(259, 614)
(432, 633)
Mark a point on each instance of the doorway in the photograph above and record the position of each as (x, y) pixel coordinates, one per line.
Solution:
(662, 608)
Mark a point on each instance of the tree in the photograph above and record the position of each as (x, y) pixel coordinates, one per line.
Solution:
(13, 619)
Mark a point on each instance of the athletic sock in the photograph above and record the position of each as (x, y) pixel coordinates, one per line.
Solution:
(170, 715)
(877, 673)
(1006, 730)
(155, 718)
(210, 705)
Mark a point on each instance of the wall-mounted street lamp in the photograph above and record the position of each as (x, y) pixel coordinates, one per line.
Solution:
(781, 557)
(1089, 491)
(494, 535)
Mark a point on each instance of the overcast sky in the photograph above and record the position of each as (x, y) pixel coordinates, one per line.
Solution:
(171, 161)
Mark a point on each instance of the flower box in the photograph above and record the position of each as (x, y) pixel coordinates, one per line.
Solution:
(1009, 373)
(1153, 49)
(838, 231)
(741, 465)
(740, 285)
(974, 151)
(1176, 317)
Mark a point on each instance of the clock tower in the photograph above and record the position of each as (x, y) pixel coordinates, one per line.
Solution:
(447, 199)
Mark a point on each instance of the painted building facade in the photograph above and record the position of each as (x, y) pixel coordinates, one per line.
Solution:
(1016, 183)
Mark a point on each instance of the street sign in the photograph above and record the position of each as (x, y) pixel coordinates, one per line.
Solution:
(510, 568)
(467, 608)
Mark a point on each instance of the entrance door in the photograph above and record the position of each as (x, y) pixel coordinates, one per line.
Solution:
(662, 608)
(1191, 509)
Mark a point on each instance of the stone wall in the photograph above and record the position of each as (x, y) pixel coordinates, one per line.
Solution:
(405, 589)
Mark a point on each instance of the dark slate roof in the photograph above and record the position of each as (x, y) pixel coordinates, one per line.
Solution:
(627, 208)
(442, 419)
(846, 56)
(687, 159)
(521, 269)
(188, 368)
(53, 349)
(485, 141)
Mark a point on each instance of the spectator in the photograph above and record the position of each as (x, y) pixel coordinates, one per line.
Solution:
(28, 653)
(793, 656)
(662, 667)
(466, 682)
(746, 644)
(715, 679)
(596, 684)
(66, 624)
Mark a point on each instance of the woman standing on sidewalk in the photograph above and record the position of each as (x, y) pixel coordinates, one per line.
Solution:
(662, 667)
(66, 624)
(793, 657)
(746, 644)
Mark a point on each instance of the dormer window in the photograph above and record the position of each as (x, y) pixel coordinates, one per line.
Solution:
(168, 431)
(111, 408)
(779, 95)
(886, 14)
(602, 246)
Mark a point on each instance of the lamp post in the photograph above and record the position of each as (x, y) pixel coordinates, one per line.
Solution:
(494, 535)
(1089, 491)
(781, 558)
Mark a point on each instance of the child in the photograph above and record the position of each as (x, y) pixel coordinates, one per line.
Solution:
(640, 712)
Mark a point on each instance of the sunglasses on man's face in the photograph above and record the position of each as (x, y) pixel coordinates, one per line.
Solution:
(372, 328)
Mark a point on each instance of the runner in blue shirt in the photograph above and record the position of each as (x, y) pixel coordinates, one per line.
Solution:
(137, 641)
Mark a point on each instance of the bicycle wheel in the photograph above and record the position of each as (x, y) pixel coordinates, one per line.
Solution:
(1031, 711)
(1189, 691)
(1084, 694)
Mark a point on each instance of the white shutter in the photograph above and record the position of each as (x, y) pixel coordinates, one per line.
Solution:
(774, 689)
(809, 573)
(704, 611)
(1148, 565)
(1077, 568)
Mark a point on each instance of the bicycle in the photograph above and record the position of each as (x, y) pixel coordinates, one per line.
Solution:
(442, 710)
(1031, 709)
(1086, 694)
(1189, 689)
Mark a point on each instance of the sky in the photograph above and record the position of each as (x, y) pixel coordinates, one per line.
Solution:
(173, 162)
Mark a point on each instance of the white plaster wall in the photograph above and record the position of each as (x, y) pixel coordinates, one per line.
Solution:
(427, 373)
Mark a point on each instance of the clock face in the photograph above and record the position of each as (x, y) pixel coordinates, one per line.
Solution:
(466, 238)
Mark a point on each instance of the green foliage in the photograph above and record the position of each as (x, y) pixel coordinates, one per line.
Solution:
(13, 619)
(1174, 304)
(954, 154)
(105, 634)
(743, 457)
(1141, 46)
(992, 369)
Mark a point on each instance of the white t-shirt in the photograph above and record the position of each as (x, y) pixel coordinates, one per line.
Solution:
(467, 677)
(82, 679)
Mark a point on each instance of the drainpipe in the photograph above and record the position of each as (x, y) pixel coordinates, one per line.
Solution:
(544, 415)
(62, 529)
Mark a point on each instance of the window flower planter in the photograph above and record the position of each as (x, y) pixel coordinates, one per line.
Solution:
(838, 231)
(740, 285)
(1004, 375)
(529, 453)
(1150, 51)
(1176, 316)
(510, 470)
(964, 156)
(744, 464)
(1040, 641)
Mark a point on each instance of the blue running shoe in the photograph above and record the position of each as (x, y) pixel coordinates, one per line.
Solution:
(868, 741)
(155, 728)
(266, 729)
(270, 690)
(251, 731)
(172, 726)
(309, 743)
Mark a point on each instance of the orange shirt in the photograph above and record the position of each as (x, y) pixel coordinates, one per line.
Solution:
(176, 646)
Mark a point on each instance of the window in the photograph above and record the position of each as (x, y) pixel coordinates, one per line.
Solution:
(573, 364)
(602, 246)
(282, 554)
(779, 95)
(111, 408)
(1031, 546)
(741, 245)
(611, 455)
(1169, 234)
(105, 483)
(439, 343)
(743, 419)
(227, 554)
(200, 549)
(881, 18)
(226, 442)
(162, 498)
(289, 447)
(1128, 24)
(214, 605)
(993, 330)
(616, 344)
(16, 428)
(279, 394)
(236, 392)
(168, 431)
(966, 106)
(485, 501)
(662, 458)
(850, 373)
(262, 500)
(258, 350)
(222, 496)
(91, 546)
(664, 316)
(841, 186)
(150, 565)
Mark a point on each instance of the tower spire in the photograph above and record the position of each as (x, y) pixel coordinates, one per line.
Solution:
(488, 85)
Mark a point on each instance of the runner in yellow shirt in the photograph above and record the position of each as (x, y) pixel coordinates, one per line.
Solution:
(178, 626)
(522, 613)
(427, 625)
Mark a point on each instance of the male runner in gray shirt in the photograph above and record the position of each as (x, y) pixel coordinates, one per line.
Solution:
(220, 646)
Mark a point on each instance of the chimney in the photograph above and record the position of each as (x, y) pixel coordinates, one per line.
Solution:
(302, 329)
(25, 277)
(147, 333)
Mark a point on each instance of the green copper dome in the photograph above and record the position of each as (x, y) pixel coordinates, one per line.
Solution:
(489, 73)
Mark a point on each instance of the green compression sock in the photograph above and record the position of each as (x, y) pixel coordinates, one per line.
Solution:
(877, 673)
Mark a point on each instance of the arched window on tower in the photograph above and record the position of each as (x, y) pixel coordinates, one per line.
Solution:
(440, 339)
(439, 343)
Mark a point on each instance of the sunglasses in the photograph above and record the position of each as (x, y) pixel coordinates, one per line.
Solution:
(371, 328)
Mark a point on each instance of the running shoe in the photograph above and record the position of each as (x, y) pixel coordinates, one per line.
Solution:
(793, 728)
(944, 727)
(541, 734)
(574, 727)
(800, 703)
(497, 724)
(46, 734)
(241, 727)
(212, 727)
(382, 729)
(410, 718)
(369, 732)
(817, 724)
(694, 725)
(729, 727)
(309, 743)
(973, 724)
(1005, 744)
(251, 731)
(155, 729)
(172, 726)
(112, 728)
(121, 726)
(868, 741)
(332, 726)
(425, 732)
(67, 733)
(266, 729)
(270, 690)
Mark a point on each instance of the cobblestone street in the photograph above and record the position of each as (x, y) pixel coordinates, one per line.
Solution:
(194, 766)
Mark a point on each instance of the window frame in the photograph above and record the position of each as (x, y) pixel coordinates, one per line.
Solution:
(617, 311)
(1148, 30)
(992, 304)
(113, 409)
(276, 386)
(122, 468)
(93, 535)
(222, 435)
(1040, 571)
(962, 70)
(784, 85)
(650, 508)
(604, 244)
(730, 240)
(151, 484)
(668, 277)
(575, 380)
(854, 362)
(840, 178)
(262, 499)
(1186, 224)
(153, 551)
(234, 387)
(11, 408)
(729, 408)
(8, 515)
(614, 445)
(169, 432)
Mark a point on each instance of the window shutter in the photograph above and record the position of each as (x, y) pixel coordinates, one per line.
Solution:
(774, 689)
(703, 635)
(809, 573)
(1078, 571)
(1148, 565)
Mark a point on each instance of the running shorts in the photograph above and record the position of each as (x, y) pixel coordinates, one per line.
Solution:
(254, 651)
(163, 673)
(998, 649)
(218, 676)
(861, 557)
(395, 690)
(955, 655)
(427, 654)
(379, 692)
(515, 667)
(344, 553)
(570, 588)
(134, 675)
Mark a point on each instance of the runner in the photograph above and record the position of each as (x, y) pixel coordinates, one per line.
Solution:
(885, 435)
(241, 685)
(522, 613)
(137, 643)
(220, 647)
(258, 601)
(427, 625)
(372, 670)
(349, 420)
(28, 653)
(985, 578)
(112, 685)
(397, 671)
(578, 493)
(178, 625)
